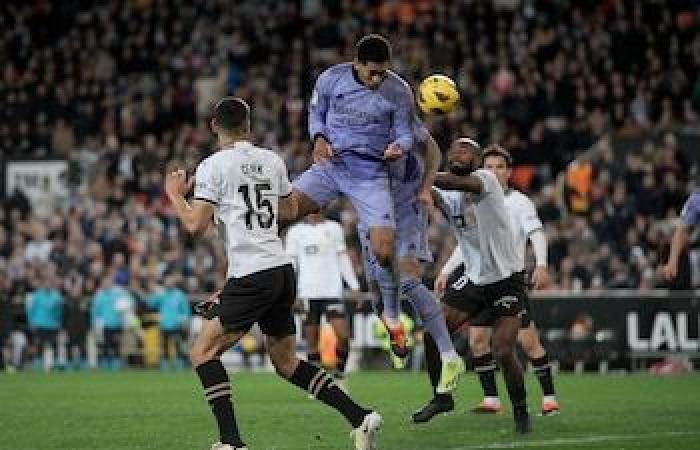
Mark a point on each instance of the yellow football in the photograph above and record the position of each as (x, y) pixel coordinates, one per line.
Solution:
(437, 94)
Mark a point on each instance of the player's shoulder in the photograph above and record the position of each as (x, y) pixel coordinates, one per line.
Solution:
(516, 196)
(210, 160)
(333, 225)
(336, 71)
(269, 156)
(694, 197)
(395, 84)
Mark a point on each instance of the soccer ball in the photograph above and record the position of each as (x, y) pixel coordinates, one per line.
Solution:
(437, 94)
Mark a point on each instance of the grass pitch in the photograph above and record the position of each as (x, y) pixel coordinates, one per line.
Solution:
(151, 410)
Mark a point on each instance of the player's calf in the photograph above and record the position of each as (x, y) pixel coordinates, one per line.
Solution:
(504, 337)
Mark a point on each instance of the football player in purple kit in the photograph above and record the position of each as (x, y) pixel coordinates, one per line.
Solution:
(360, 118)
(411, 179)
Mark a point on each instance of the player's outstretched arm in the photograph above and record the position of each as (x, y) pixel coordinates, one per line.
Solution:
(451, 182)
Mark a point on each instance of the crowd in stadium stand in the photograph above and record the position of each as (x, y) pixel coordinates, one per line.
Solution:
(120, 88)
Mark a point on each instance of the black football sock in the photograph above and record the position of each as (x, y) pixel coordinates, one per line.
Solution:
(217, 389)
(321, 385)
(513, 375)
(485, 367)
(543, 370)
(434, 365)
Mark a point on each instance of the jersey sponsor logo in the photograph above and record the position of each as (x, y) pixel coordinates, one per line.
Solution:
(506, 301)
(460, 283)
(356, 116)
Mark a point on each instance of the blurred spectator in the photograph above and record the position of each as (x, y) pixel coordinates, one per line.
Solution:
(44, 309)
(111, 307)
(77, 310)
(174, 315)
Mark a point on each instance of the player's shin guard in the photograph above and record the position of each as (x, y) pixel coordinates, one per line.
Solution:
(321, 385)
(543, 370)
(429, 311)
(485, 367)
(217, 389)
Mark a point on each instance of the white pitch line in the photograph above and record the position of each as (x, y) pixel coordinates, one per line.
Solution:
(578, 440)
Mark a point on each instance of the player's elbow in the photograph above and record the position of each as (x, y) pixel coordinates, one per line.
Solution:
(288, 210)
(195, 227)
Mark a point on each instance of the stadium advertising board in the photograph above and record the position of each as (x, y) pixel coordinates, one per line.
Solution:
(642, 324)
(43, 182)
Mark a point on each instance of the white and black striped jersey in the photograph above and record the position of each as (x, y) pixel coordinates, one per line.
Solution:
(321, 259)
(245, 184)
(483, 229)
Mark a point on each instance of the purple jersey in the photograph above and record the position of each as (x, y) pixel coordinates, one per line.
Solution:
(690, 214)
(406, 174)
(360, 122)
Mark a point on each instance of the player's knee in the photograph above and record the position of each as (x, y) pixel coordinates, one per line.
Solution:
(480, 343)
(198, 355)
(502, 351)
(384, 257)
(202, 352)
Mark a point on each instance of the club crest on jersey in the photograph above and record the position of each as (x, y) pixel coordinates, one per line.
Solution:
(506, 301)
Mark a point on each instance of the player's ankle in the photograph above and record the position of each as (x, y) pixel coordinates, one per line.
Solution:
(449, 355)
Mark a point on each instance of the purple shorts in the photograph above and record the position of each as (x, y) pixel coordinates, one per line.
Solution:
(370, 196)
(411, 236)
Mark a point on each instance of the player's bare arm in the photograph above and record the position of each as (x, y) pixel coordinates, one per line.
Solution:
(288, 209)
(195, 217)
(322, 149)
(432, 159)
(451, 182)
(678, 243)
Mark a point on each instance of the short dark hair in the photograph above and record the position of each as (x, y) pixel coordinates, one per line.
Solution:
(373, 48)
(232, 113)
(497, 150)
